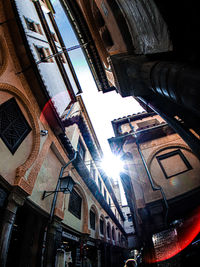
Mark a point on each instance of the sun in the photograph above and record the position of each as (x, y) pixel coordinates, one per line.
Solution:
(112, 165)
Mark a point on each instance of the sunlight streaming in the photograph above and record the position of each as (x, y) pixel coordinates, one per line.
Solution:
(112, 165)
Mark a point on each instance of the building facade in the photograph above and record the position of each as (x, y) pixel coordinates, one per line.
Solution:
(134, 48)
(161, 184)
(128, 226)
(40, 146)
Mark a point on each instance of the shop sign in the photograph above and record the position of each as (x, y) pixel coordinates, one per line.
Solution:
(91, 243)
(70, 236)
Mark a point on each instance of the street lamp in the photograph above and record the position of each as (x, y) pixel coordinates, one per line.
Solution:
(66, 186)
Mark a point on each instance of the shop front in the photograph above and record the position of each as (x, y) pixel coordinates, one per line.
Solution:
(79, 250)
(91, 254)
(71, 245)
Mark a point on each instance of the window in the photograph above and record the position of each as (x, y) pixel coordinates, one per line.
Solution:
(147, 124)
(94, 174)
(166, 162)
(75, 202)
(43, 54)
(30, 25)
(92, 220)
(108, 230)
(81, 149)
(99, 184)
(92, 170)
(54, 37)
(113, 233)
(39, 30)
(129, 217)
(101, 227)
(109, 202)
(33, 26)
(105, 194)
(13, 126)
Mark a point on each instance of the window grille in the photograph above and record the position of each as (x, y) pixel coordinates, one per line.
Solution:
(13, 126)
(75, 202)
(92, 220)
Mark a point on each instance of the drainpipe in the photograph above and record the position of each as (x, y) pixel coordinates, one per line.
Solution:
(58, 187)
(155, 188)
(45, 256)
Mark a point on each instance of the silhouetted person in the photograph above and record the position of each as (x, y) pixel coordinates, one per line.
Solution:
(130, 263)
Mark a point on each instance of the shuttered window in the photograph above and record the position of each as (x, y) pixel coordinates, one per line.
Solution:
(75, 202)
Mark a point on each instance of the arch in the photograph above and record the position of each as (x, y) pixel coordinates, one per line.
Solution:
(3, 55)
(94, 209)
(164, 147)
(21, 170)
(80, 190)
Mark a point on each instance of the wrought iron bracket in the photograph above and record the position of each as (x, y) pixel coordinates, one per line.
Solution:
(48, 193)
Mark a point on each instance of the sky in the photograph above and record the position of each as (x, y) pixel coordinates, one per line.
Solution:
(102, 108)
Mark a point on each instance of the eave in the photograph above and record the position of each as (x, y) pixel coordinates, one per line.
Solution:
(95, 155)
(88, 45)
(88, 180)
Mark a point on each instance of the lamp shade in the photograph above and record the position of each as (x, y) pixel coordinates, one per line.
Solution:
(66, 184)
